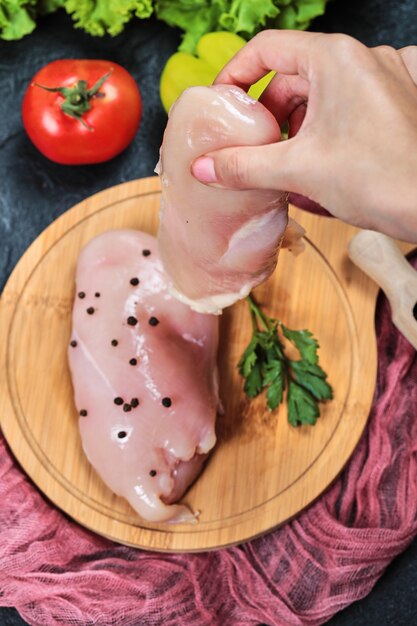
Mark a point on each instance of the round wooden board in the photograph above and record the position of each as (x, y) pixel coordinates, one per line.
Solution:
(262, 471)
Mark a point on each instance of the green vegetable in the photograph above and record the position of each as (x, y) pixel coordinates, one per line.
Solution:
(99, 17)
(265, 365)
(96, 17)
(16, 18)
(213, 51)
(197, 17)
(193, 17)
(243, 17)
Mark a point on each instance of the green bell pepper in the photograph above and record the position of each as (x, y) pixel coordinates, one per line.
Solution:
(213, 51)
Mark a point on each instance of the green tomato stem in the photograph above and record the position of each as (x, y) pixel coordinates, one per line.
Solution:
(77, 99)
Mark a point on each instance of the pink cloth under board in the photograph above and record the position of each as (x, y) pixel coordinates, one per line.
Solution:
(57, 573)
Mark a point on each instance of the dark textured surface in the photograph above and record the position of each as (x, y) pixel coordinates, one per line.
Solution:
(374, 22)
(34, 191)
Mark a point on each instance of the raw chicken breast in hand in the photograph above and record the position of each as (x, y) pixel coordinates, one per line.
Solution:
(144, 373)
(216, 245)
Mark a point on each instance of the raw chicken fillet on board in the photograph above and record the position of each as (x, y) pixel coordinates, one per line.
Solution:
(216, 244)
(144, 373)
(143, 362)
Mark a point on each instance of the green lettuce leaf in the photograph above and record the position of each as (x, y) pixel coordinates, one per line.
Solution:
(246, 16)
(195, 17)
(297, 14)
(309, 9)
(16, 18)
(49, 6)
(100, 17)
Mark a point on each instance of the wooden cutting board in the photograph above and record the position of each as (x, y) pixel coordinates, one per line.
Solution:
(262, 471)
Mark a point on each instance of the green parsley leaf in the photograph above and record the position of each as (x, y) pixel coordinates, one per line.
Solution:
(305, 343)
(302, 407)
(253, 384)
(274, 380)
(248, 358)
(265, 365)
(312, 377)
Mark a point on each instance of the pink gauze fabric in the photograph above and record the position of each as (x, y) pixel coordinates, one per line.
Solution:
(55, 572)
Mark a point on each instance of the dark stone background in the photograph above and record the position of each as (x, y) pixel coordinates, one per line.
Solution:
(34, 191)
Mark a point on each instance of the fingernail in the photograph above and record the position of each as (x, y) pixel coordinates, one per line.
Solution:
(203, 170)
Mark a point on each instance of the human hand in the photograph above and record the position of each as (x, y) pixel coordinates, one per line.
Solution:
(352, 114)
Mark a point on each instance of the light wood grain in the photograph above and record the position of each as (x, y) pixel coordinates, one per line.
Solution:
(262, 471)
(380, 257)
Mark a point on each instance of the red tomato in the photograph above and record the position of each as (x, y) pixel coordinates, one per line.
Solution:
(100, 119)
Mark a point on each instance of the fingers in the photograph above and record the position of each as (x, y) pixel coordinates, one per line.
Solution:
(287, 52)
(296, 119)
(409, 57)
(274, 166)
(399, 58)
(283, 95)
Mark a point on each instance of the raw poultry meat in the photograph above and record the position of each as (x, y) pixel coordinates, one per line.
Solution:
(216, 244)
(144, 374)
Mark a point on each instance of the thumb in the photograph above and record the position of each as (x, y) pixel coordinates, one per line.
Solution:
(409, 56)
(273, 166)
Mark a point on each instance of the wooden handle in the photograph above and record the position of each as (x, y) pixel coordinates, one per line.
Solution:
(379, 257)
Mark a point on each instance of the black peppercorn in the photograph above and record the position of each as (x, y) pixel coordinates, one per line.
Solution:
(167, 402)
(127, 407)
(114, 342)
(146, 252)
(118, 400)
(132, 321)
(90, 310)
(153, 321)
(81, 294)
(134, 281)
(152, 473)
(122, 434)
(133, 361)
(73, 343)
(134, 403)
(83, 413)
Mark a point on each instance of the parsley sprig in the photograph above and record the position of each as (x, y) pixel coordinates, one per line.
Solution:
(265, 365)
